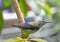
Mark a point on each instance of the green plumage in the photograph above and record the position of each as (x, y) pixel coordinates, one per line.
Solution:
(28, 31)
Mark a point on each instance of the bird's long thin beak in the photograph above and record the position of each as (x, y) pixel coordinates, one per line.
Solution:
(49, 22)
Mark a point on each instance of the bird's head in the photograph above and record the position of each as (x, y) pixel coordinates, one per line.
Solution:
(41, 23)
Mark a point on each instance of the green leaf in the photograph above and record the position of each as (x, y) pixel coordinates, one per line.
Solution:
(1, 20)
(56, 26)
(58, 11)
(7, 3)
(47, 10)
(23, 6)
(52, 3)
(58, 17)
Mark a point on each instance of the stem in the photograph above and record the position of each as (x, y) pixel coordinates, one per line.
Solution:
(18, 12)
(19, 15)
(23, 35)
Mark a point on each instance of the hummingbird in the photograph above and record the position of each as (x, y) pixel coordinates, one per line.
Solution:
(29, 28)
